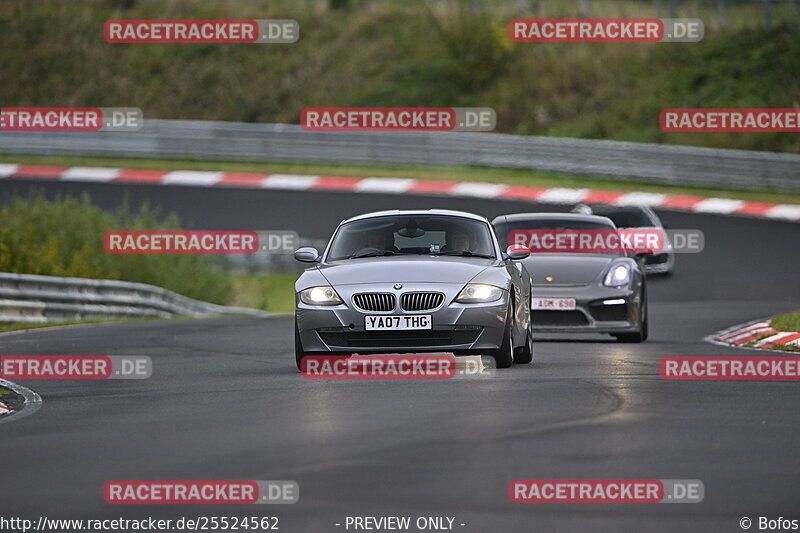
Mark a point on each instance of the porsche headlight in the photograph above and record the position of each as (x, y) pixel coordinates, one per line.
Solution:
(618, 276)
(479, 293)
(324, 295)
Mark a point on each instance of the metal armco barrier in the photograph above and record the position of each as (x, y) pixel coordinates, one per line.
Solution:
(234, 141)
(26, 298)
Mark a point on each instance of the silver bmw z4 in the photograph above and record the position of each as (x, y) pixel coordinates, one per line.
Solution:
(414, 282)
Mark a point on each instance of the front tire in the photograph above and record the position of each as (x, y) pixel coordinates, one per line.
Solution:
(299, 354)
(526, 352)
(641, 335)
(504, 356)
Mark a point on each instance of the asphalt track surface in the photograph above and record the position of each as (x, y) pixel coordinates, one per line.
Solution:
(225, 401)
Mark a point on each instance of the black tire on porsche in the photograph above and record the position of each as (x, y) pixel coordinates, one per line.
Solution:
(641, 335)
(504, 356)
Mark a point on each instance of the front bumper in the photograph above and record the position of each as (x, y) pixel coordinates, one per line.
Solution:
(458, 328)
(591, 314)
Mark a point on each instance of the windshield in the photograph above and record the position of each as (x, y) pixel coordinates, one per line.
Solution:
(626, 218)
(503, 229)
(514, 232)
(412, 235)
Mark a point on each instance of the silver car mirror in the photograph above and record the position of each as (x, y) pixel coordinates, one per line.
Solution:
(517, 251)
(307, 254)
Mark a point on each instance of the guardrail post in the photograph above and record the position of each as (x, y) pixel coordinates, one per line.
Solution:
(723, 14)
(767, 4)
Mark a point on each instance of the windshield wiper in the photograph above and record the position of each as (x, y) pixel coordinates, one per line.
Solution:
(464, 253)
(376, 253)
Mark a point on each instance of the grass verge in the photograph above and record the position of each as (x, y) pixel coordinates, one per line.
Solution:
(786, 321)
(5, 328)
(271, 292)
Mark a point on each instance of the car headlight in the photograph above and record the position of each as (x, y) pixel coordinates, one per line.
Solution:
(618, 276)
(324, 295)
(479, 293)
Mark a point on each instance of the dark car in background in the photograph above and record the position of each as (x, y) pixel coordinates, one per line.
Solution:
(637, 217)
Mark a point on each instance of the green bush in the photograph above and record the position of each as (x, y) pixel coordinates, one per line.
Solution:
(65, 238)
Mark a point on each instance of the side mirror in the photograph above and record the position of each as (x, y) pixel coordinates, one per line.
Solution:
(307, 254)
(516, 252)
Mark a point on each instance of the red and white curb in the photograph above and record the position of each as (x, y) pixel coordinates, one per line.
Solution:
(32, 402)
(298, 182)
(745, 334)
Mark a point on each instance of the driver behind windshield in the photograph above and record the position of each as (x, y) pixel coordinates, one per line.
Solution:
(380, 239)
(458, 242)
(401, 235)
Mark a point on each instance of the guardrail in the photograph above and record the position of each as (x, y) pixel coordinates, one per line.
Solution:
(235, 141)
(28, 298)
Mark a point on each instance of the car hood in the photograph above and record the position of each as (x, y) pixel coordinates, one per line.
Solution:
(567, 269)
(422, 269)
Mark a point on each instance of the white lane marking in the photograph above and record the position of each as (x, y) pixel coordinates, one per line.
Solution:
(742, 336)
(559, 195)
(90, 174)
(773, 338)
(641, 198)
(289, 181)
(8, 170)
(477, 188)
(717, 205)
(388, 185)
(192, 177)
(739, 330)
(789, 212)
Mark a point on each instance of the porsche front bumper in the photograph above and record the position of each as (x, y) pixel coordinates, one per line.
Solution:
(598, 309)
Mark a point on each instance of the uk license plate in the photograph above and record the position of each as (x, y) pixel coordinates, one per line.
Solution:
(394, 322)
(553, 304)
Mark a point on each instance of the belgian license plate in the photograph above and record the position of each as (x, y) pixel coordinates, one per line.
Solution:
(553, 304)
(393, 322)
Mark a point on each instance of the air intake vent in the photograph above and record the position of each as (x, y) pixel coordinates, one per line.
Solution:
(373, 301)
(421, 301)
